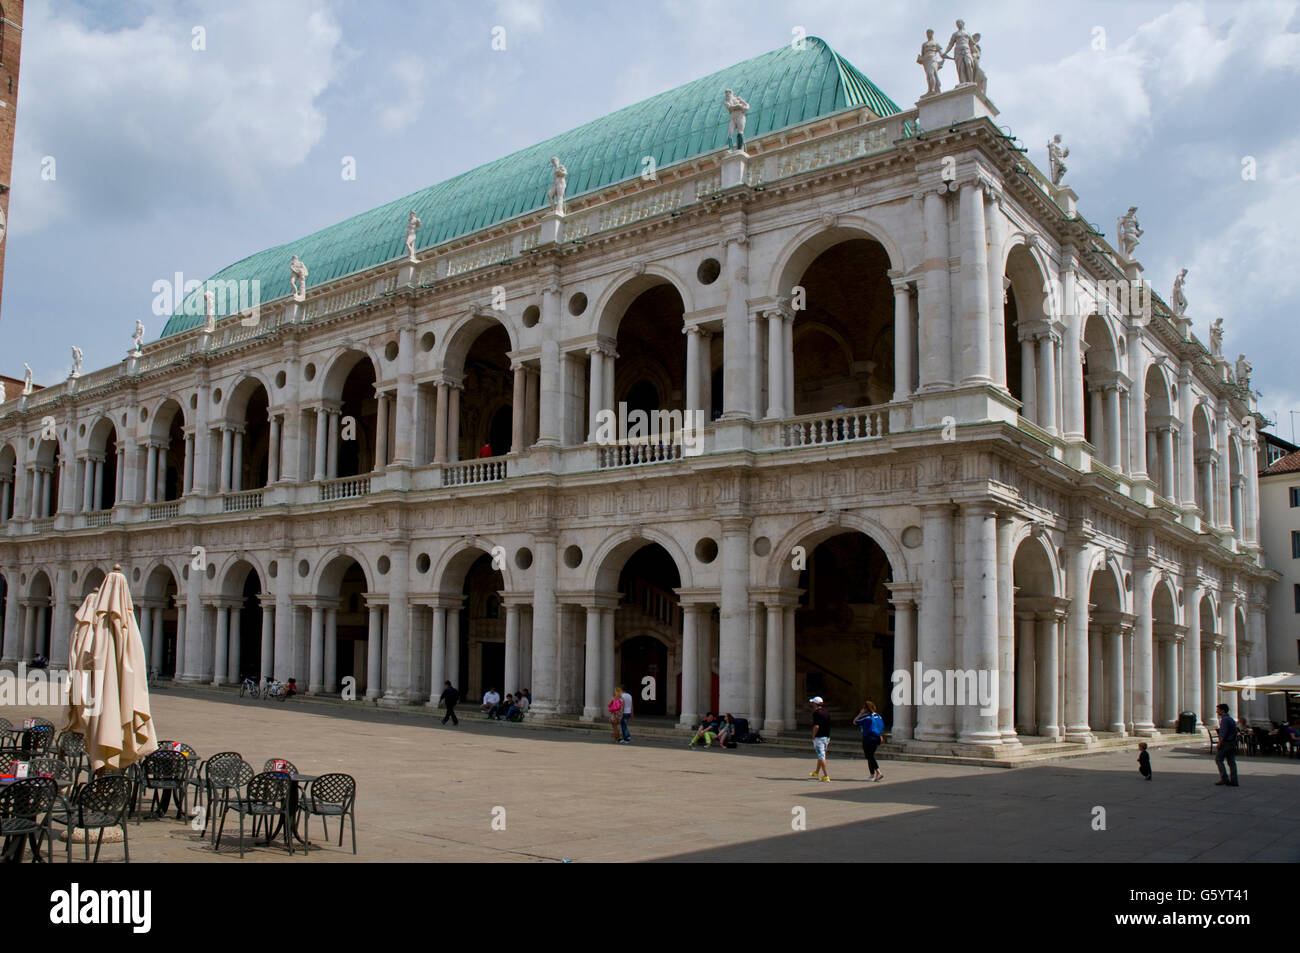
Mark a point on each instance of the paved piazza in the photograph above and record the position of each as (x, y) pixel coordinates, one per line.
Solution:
(427, 794)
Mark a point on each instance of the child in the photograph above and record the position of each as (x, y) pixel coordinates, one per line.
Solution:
(1144, 760)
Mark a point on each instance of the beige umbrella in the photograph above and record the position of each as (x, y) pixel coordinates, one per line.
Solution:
(110, 698)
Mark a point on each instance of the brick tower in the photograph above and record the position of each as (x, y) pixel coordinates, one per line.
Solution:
(11, 42)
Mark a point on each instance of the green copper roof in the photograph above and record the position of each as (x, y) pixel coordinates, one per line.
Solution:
(784, 88)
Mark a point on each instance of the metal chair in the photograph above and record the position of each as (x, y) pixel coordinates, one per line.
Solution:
(23, 804)
(166, 771)
(96, 805)
(267, 797)
(42, 737)
(269, 767)
(71, 748)
(60, 771)
(331, 795)
(223, 774)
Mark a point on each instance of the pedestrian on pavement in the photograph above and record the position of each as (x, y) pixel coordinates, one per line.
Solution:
(627, 714)
(821, 737)
(872, 727)
(449, 697)
(615, 708)
(1144, 760)
(1226, 750)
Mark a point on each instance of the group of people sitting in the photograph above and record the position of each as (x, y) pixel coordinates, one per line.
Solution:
(712, 728)
(512, 709)
(1284, 737)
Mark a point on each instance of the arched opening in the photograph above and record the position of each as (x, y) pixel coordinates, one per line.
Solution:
(1109, 637)
(1236, 486)
(40, 601)
(49, 473)
(358, 413)
(844, 629)
(91, 581)
(843, 340)
(1029, 344)
(482, 631)
(244, 652)
(1203, 454)
(486, 399)
(1101, 411)
(1164, 676)
(1211, 661)
(1036, 653)
(8, 481)
(160, 593)
(251, 635)
(1161, 427)
(647, 635)
(650, 372)
(165, 454)
(249, 414)
(344, 584)
(102, 472)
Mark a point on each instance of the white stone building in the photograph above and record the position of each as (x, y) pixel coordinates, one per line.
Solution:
(940, 431)
(1279, 507)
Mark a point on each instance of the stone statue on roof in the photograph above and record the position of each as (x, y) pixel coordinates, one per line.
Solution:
(981, 81)
(738, 110)
(76, 362)
(964, 58)
(137, 338)
(298, 279)
(559, 182)
(1129, 232)
(1055, 154)
(1216, 339)
(412, 224)
(1178, 300)
(931, 60)
(1243, 371)
(209, 311)
(28, 385)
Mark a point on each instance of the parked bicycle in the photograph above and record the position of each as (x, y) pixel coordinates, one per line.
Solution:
(153, 679)
(248, 687)
(274, 689)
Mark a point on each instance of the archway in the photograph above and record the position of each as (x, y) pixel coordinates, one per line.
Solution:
(158, 616)
(479, 356)
(350, 435)
(102, 471)
(1109, 633)
(1028, 343)
(165, 454)
(842, 341)
(1036, 656)
(249, 413)
(40, 601)
(8, 481)
(49, 478)
(651, 369)
(343, 587)
(1203, 455)
(648, 635)
(247, 647)
(1161, 425)
(1101, 412)
(1211, 663)
(91, 581)
(1167, 634)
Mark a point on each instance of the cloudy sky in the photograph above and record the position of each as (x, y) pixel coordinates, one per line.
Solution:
(169, 158)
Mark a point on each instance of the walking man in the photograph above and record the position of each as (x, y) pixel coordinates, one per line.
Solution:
(1227, 747)
(627, 716)
(821, 737)
(449, 697)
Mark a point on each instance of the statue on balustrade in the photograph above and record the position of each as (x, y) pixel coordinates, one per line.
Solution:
(1129, 232)
(931, 60)
(298, 279)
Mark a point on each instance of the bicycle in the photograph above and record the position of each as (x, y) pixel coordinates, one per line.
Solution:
(274, 689)
(152, 679)
(248, 687)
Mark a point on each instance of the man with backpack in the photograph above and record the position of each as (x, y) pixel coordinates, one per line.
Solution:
(872, 727)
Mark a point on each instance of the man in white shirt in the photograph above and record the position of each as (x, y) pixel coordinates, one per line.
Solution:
(490, 701)
(627, 713)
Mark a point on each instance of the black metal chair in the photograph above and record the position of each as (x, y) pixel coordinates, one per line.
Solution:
(6, 726)
(267, 797)
(100, 803)
(71, 748)
(25, 809)
(42, 737)
(166, 771)
(60, 771)
(225, 775)
(269, 767)
(331, 795)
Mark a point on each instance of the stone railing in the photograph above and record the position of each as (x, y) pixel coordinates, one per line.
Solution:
(163, 511)
(636, 453)
(322, 305)
(345, 489)
(480, 256)
(854, 143)
(43, 525)
(99, 378)
(485, 470)
(165, 353)
(99, 518)
(836, 426)
(242, 501)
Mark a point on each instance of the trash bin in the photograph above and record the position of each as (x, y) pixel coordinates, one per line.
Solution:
(1186, 722)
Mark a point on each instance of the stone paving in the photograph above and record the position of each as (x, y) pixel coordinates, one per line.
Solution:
(428, 793)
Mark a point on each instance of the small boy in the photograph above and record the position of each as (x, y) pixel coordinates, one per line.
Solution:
(1144, 761)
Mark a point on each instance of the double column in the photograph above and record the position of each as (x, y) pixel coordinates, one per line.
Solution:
(444, 645)
(780, 322)
(699, 368)
(446, 427)
(904, 338)
(600, 388)
(226, 661)
(598, 658)
(327, 441)
(981, 631)
(322, 664)
(779, 673)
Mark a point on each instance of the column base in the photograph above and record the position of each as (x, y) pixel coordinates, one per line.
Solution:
(589, 713)
(934, 734)
(1080, 735)
(691, 720)
(1121, 730)
(1146, 730)
(989, 739)
(392, 700)
(316, 690)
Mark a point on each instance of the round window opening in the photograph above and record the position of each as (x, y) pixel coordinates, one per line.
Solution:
(708, 271)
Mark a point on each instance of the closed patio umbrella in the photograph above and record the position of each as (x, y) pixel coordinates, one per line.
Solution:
(110, 699)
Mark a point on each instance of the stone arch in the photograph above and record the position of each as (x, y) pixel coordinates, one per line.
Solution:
(1035, 663)
(1027, 315)
(464, 330)
(235, 570)
(1106, 566)
(235, 405)
(9, 477)
(604, 565)
(40, 595)
(340, 363)
(779, 571)
(627, 286)
(331, 569)
(91, 577)
(163, 415)
(449, 572)
(803, 248)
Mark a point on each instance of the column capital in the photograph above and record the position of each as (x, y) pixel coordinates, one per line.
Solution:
(437, 600)
(903, 593)
(698, 596)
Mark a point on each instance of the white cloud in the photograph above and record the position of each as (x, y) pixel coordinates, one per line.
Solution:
(526, 16)
(405, 107)
(136, 115)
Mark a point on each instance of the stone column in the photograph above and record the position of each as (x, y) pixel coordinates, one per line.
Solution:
(453, 423)
(592, 701)
(316, 667)
(754, 372)
(322, 442)
(976, 362)
(1046, 395)
(595, 390)
(545, 644)
(738, 364)
(980, 617)
(1072, 349)
(29, 632)
(1143, 651)
(1077, 727)
(1210, 680)
(440, 424)
(151, 472)
(733, 632)
(397, 655)
(775, 703)
(775, 366)
(13, 633)
(1048, 688)
(6, 496)
(145, 626)
(268, 638)
(1168, 478)
(1222, 493)
(331, 650)
(1192, 650)
(608, 677)
(787, 357)
(935, 630)
(227, 459)
(1006, 622)
(332, 444)
(903, 343)
(1257, 636)
(1229, 624)
(935, 330)
(156, 642)
(517, 409)
(1237, 525)
(273, 452)
(1187, 450)
(996, 224)
(374, 652)
(788, 639)
(1114, 452)
(1169, 708)
(381, 431)
(692, 368)
(223, 644)
(1114, 636)
(182, 637)
(234, 661)
(402, 451)
(437, 654)
(1026, 699)
(552, 383)
(1028, 380)
(688, 704)
(237, 464)
(87, 468)
(904, 655)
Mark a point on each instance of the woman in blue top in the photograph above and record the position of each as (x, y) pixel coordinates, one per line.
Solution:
(873, 729)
